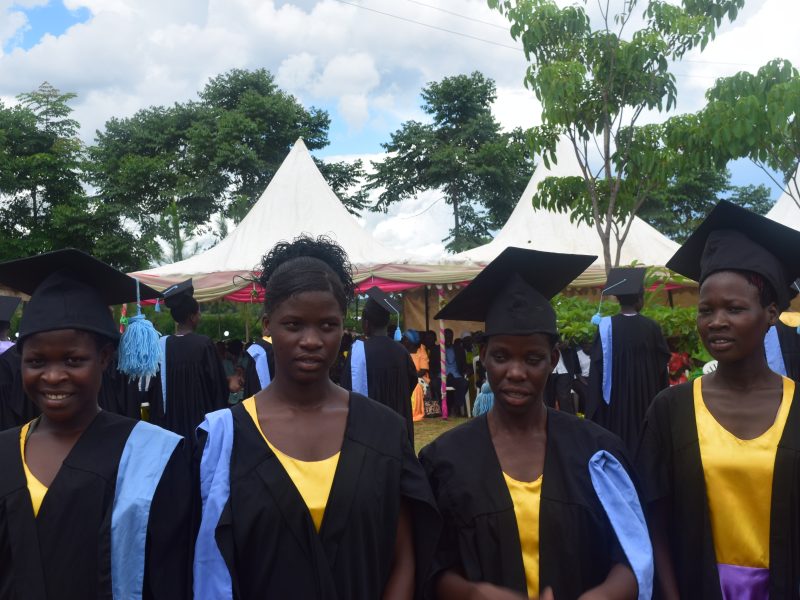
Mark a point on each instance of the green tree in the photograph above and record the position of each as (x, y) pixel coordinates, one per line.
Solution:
(479, 170)
(756, 116)
(678, 209)
(595, 79)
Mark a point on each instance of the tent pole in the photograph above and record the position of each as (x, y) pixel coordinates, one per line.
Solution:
(427, 310)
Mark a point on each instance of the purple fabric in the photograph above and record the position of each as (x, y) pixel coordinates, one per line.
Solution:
(743, 583)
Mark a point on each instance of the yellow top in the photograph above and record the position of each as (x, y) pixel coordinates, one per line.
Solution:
(526, 496)
(36, 488)
(313, 479)
(738, 477)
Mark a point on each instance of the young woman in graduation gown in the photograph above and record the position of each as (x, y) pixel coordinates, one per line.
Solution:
(192, 379)
(92, 504)
(308, 490)
(719, 456)
(534, 501)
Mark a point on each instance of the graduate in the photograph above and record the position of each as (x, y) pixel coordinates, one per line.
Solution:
(8, 306)
(259, 371)
(92, 504)
(192, 378)
(719, 456)
(782, 344)
(308, 490)
(379, 367)
(629, 361)
(15, 409)
(419, 356)
(535, 502)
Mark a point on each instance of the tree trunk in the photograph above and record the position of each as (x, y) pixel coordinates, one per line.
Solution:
(457, 223)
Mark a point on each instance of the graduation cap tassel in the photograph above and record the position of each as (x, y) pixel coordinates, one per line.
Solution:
(139, 352)
(596, 317)
(158, 306)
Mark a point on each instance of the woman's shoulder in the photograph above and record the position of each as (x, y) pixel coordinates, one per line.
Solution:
(376, 426)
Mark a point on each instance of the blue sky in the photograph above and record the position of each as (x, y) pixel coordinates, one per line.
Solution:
(53, 18)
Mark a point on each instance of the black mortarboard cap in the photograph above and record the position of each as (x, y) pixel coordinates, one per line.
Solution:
(177, 294)
(734, 238)
(382, 299)
(70, 290)
(8, 304)
(625, 281)
(512, 294)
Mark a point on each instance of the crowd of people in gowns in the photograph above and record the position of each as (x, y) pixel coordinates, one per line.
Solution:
(582, 474)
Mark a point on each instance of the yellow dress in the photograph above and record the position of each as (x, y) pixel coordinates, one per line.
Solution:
(36, 488)
(526, 496)
(738, 477)
(313, 479)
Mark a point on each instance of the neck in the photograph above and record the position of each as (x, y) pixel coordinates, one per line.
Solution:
(379, 332)
(73, 427)
(307, 395)
(628, 310)
(532, 419)
(744, 374)
(184, 328)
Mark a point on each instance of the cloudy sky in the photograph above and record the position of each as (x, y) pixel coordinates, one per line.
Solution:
(364, 61)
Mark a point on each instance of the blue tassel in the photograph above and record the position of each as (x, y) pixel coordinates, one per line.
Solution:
(398, 335)
(158, 306)
(596, 318)
(139, 351)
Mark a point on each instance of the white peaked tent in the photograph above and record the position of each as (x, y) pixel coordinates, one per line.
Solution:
(786, 210)
(540, 229)
(297, 200)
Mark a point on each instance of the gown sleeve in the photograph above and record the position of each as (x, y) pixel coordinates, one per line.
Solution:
(654, 454)
(346, 377)
(169, 533)
(218, 381)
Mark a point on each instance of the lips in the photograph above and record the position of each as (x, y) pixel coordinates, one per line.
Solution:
(309, 361)
(516, 394)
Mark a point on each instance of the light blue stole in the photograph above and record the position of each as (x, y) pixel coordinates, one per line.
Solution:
(259, 356)
(772, 348)
(358, 368)
(605, 344)
(162, 342)
(144, 458)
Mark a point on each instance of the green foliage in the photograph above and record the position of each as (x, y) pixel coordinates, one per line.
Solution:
(462, 153)
(754, 116)
(574, 315)
(681, 206)
(594, 80)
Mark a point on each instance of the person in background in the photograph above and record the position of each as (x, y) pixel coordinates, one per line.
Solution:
(580, 384)
(434, 361)
(8, 306)
(308, 490)
(260, 370)
(341, 358)
(419, 355)
(629, 361)
(456, 369)
(379, 367)
(192, 379)
(536, 503)
(235, 365)
(92, 504)
(719, 456)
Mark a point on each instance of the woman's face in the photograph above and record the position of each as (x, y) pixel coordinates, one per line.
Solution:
(306, 331)
(517, 367)
(730, 319)
(62, 372)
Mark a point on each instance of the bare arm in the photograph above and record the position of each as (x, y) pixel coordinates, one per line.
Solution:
(619, 585)
(452, 586)
(401, 580)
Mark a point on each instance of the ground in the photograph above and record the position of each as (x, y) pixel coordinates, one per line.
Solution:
(427, 430)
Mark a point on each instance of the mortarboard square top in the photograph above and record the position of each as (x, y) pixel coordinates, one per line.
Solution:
(512, 294)
(174, 295)
(70, 290)
(383, 300)
(734, 238)
(8, 304)
(625, 281)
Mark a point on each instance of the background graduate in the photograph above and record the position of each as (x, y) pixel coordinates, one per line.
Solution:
(782, 344)
(259, 371)
(308, 490)
(92, 504)
(379, 367)
(720, 456)
(192, 378)
(629, 361)
(533, 500)
(15, 408)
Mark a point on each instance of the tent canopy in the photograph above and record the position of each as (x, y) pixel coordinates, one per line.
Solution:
(786, 210)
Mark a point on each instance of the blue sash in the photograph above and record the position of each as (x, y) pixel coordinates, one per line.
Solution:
(772, 348)
(605, 344)
(143, 461)
(212, 579)
(162, 342)
(617, 494)
(358, 368)
(259, 356)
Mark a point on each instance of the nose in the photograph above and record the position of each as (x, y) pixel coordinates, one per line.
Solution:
(515, 371)
(53, 374)
(311, 338)
(718, 320)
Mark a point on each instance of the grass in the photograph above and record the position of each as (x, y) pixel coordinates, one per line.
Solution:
(427, 430)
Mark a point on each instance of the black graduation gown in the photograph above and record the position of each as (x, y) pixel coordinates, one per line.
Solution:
(391, 376)
(671, 470)
(266, 534)
(15, 408)
(639, 371)
(196, 384)
(480, 539)
(790, 349)
(252, 384)
(64, 553)
(121, 395)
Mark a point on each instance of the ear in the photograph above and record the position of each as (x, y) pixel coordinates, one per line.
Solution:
(106, 352)
(773, 313)
(555, 354)
(265, 326)
(482, 351)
